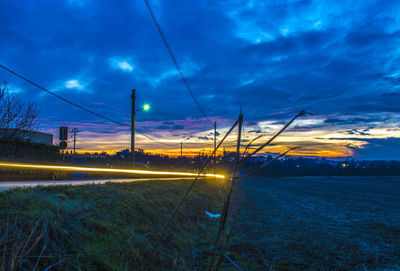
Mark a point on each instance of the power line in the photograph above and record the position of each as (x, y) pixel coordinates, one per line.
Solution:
(62, 98)
(79, 106)
(186, 147)
(83, 108)
(155, 140)
(178, 67)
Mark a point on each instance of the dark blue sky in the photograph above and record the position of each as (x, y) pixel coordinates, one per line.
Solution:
(337, 59)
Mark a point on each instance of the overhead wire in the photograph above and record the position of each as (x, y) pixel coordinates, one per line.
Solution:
(178, 67)
(81, 107)
(186, 147)
(155, 140)
(62, 98)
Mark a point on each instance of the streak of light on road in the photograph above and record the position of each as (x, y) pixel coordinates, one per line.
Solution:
(107, 170)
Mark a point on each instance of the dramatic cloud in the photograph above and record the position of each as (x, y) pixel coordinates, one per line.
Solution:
(339, 60)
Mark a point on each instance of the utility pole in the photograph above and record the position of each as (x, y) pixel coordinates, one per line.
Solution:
(133, 96)
(75, 131)
(225, 210)
(181, 149)
(215, 145)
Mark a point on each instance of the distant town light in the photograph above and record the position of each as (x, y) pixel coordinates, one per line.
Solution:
(146, 107)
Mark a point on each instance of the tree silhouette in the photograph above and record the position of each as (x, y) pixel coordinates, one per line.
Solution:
(17, 118)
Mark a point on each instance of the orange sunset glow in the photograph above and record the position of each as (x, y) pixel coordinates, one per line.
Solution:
(317, 142)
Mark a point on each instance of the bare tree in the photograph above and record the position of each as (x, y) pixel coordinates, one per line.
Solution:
(17, 118)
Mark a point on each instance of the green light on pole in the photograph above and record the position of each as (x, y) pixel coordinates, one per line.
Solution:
(146, 107)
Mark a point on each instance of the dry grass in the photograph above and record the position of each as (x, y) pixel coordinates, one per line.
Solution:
(120, 219)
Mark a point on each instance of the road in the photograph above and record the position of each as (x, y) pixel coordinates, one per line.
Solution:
(9, 185)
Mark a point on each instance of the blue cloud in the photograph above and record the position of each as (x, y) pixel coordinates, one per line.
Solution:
(273, 58)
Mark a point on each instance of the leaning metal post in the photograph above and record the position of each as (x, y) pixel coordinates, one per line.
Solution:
(227, 202)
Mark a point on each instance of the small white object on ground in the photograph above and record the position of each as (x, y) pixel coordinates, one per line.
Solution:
(212, 215)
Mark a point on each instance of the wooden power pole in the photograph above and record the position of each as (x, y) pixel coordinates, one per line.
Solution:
(215, 145)
(74, 131)
(133, 96)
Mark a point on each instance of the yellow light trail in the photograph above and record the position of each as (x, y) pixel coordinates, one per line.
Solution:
(111, 170)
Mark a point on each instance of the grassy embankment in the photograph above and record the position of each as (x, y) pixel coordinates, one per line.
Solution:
(120, 219)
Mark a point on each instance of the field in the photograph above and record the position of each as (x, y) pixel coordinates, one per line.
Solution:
(106, 227)
(316, 223)
(309, 223)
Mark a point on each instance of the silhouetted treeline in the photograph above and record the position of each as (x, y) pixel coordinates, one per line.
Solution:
(12, 149)
(323, 167)
(142, 160)
(286, 167)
